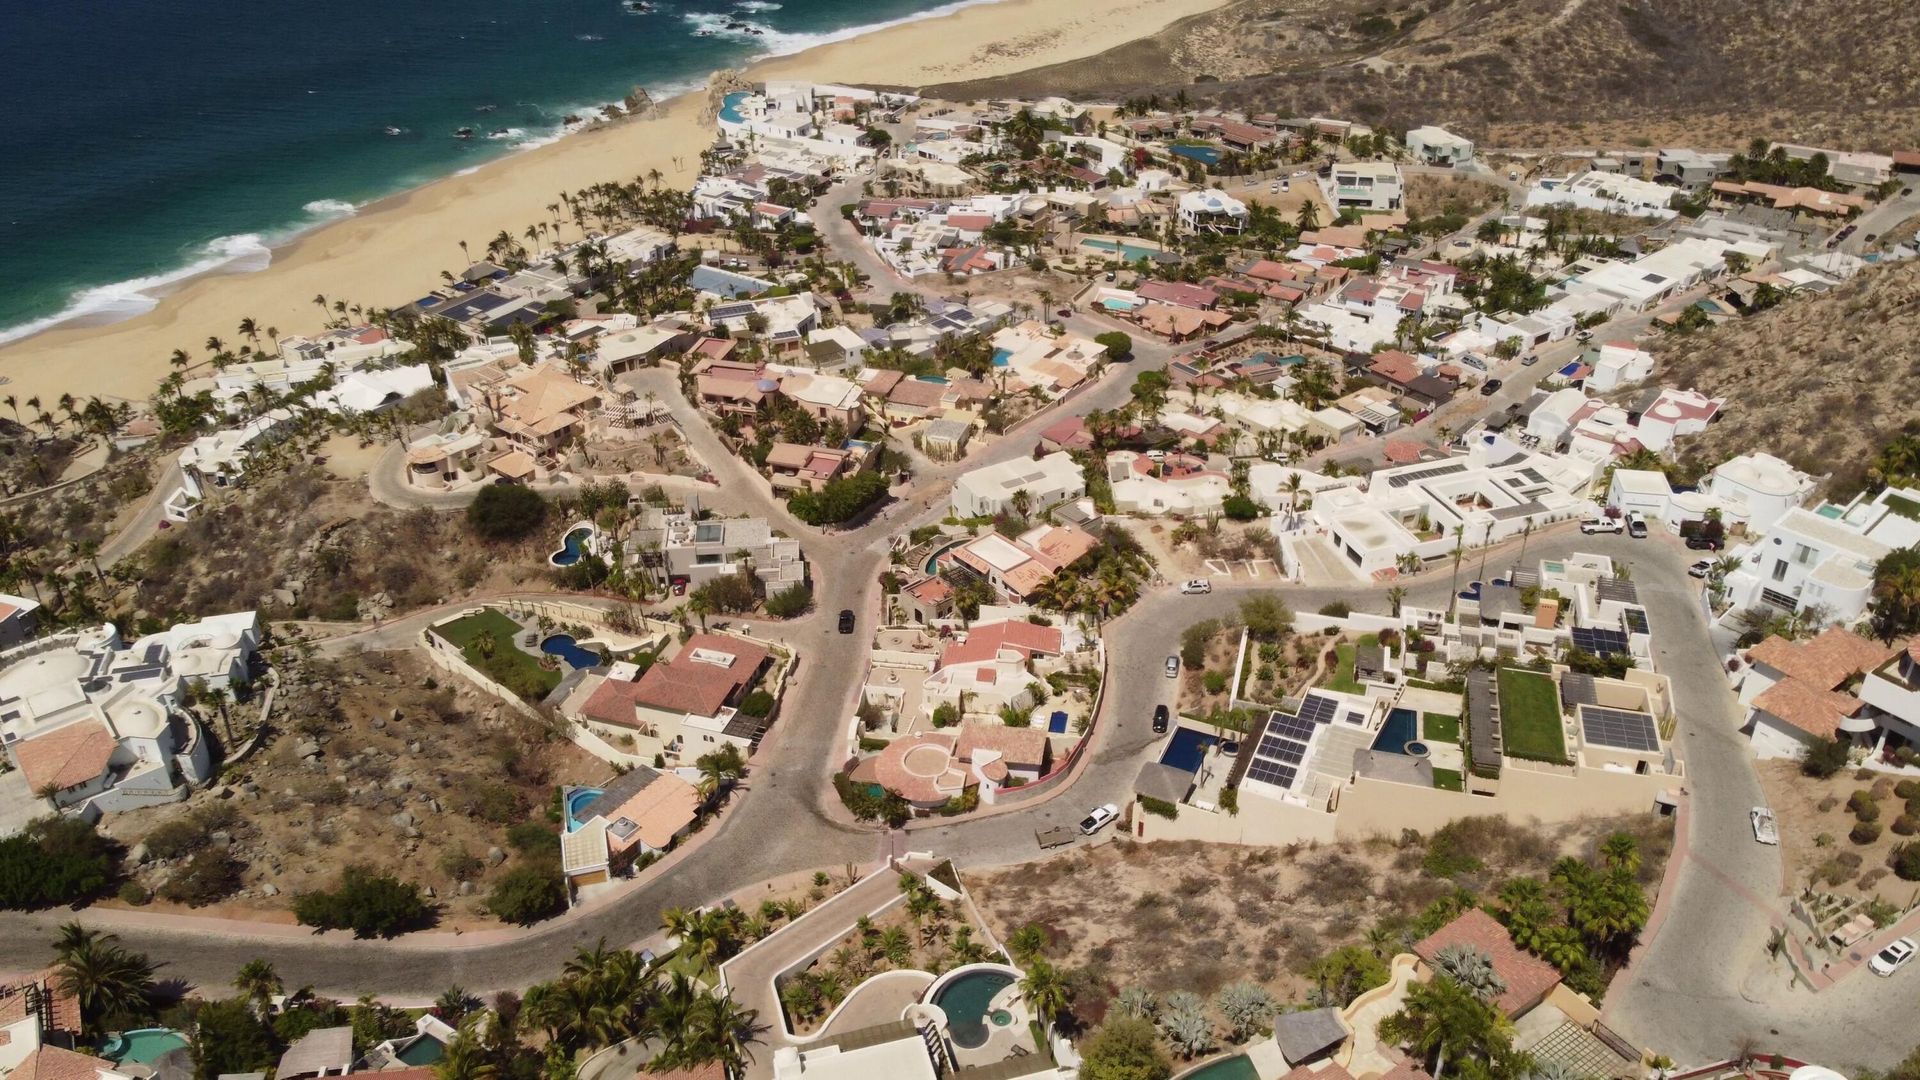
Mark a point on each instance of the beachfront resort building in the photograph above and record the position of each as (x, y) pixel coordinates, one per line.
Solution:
(92, 722)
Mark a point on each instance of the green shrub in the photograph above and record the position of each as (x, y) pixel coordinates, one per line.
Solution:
(1241, 508)
(1905, 860)
(840, 500)
(1119, 345)
(504, 512)
(132, 892)
(56, 860)
(758, 704)
(1906, 825)
(173, 839)
(1194, 641)
(231, 1038)
(533, 838)
(1230, 801)
(1824, 757)
(527, 894)
(867, 806)
(1214, 681)
(1159, 807)
(495, 802)
(208, 877)
(459, 864)
(371, 905)
(1906, 790)
(1338, 609)
(1863, 805)
(790, 602)
(1865, 832)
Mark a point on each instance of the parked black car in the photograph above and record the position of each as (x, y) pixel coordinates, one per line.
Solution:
(1159, 719)
(1704, 543)
(1491, 387)
(846, 621)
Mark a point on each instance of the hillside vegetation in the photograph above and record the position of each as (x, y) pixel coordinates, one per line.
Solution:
(1535, 72)
(1820, 381)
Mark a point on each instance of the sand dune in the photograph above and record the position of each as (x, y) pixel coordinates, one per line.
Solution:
(395, 250)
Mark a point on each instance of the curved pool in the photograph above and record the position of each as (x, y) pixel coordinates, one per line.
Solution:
(577, 800)
(564, 647)
(143, 1046)
(1237, 1067)
(968, 1003)
(573, 547)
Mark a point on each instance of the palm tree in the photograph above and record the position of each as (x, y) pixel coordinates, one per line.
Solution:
(1045, 989)
(214, 344)
(105, 978)
(1621, 852)
(1442, 1019)
(258, 982)
(1027, 943)
(464, 1057)
(1396, 596)
(1453, 590)
(1309, 215)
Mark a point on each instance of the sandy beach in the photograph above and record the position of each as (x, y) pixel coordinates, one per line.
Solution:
(395, 249)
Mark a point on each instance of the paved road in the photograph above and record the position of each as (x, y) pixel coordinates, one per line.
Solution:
(147, 521)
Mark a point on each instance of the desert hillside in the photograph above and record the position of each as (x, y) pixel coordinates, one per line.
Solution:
(1820, 381)
(1536, 72)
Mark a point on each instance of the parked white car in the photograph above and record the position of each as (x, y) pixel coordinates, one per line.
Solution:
(1700, 568)
(1099, 818)
(1764, 829)
(1602, 525)
(1895, 956)
(1196, 587)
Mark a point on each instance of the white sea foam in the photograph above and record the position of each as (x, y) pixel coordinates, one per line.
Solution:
(757, 5)
(330, 208)
(773, 42)
(589, 37)
(103, 304)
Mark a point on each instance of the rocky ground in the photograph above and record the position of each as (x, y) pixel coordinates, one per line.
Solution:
(387, 763)
(1821, 381)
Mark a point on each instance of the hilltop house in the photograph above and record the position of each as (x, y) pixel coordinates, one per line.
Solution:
(1799, 691)
(641, 811)
(89, 720)
(1021, 566)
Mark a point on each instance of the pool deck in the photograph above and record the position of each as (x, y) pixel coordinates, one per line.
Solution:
(1364, 1055)
(879, 1000)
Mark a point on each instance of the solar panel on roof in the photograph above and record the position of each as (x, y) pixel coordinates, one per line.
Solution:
(1318, 709)
(1266, 772)
(1414, 477)
(1291, 727)
(1599, 642)
(1283, 750)
(1577, 689)
(1619, 728)
(1637, 620)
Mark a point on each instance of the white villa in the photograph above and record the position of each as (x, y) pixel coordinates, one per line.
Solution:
(1438, 146)
(1606, 192)
(1208, 210)
(1826, 555)
(988, 491)
(91, 721)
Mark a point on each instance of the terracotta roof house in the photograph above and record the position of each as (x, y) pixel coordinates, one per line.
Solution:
(56, 1063)
(543, 409)
(1179, 294)
(791, 466)
(928, 768)
(640, 811)
(70, 757)
(681, 708)
(1798, 691)
(1529, 979)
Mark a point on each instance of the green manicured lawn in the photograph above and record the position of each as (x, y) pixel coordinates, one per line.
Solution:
(1342, 677)
(506, 665)
(1530, 716)
(1448, 780)
(1437, 727)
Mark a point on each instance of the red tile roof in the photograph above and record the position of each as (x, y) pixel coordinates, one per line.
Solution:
(969, 222)
(1018, 747)
(53, 1063)
(698, 686)
(66, 757)
(1825, 661)
(1179, 294)
(1528, 977)
(985, 642)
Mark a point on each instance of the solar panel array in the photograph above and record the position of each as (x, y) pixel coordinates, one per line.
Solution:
(1619, 728)
(1577, 689)
(1599, 642)
(1636, 620)
(1277, 758)
(1414, 477)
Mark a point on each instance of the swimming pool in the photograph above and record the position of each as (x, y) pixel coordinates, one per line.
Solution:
(572, 547)
(1001, 357)
(1401, 728)
(564, 647)
(577, 800)
(1205, 155)
(1114, 303)
(1129, 252)
(1187, 749)
(143, 1046)
(730, 107)
(1237, 1067)
(968, 1003)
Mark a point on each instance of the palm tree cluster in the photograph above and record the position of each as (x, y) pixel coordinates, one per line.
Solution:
(1446, 1024)
(1582, 920)
(604, 996)
(1104, 583)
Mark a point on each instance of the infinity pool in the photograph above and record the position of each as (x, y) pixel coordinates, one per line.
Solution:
(1129, 252)
(1187, 750)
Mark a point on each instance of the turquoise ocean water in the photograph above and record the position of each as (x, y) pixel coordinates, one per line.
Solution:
(147, 140)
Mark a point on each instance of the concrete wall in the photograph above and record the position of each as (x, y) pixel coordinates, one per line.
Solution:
(1378, 807)
(1260, 821)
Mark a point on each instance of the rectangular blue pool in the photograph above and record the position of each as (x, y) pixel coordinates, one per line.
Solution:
(1401, 728)
(1187, 749)
(1057, 723)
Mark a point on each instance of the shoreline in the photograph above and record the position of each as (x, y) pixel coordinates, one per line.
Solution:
(395, 247)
